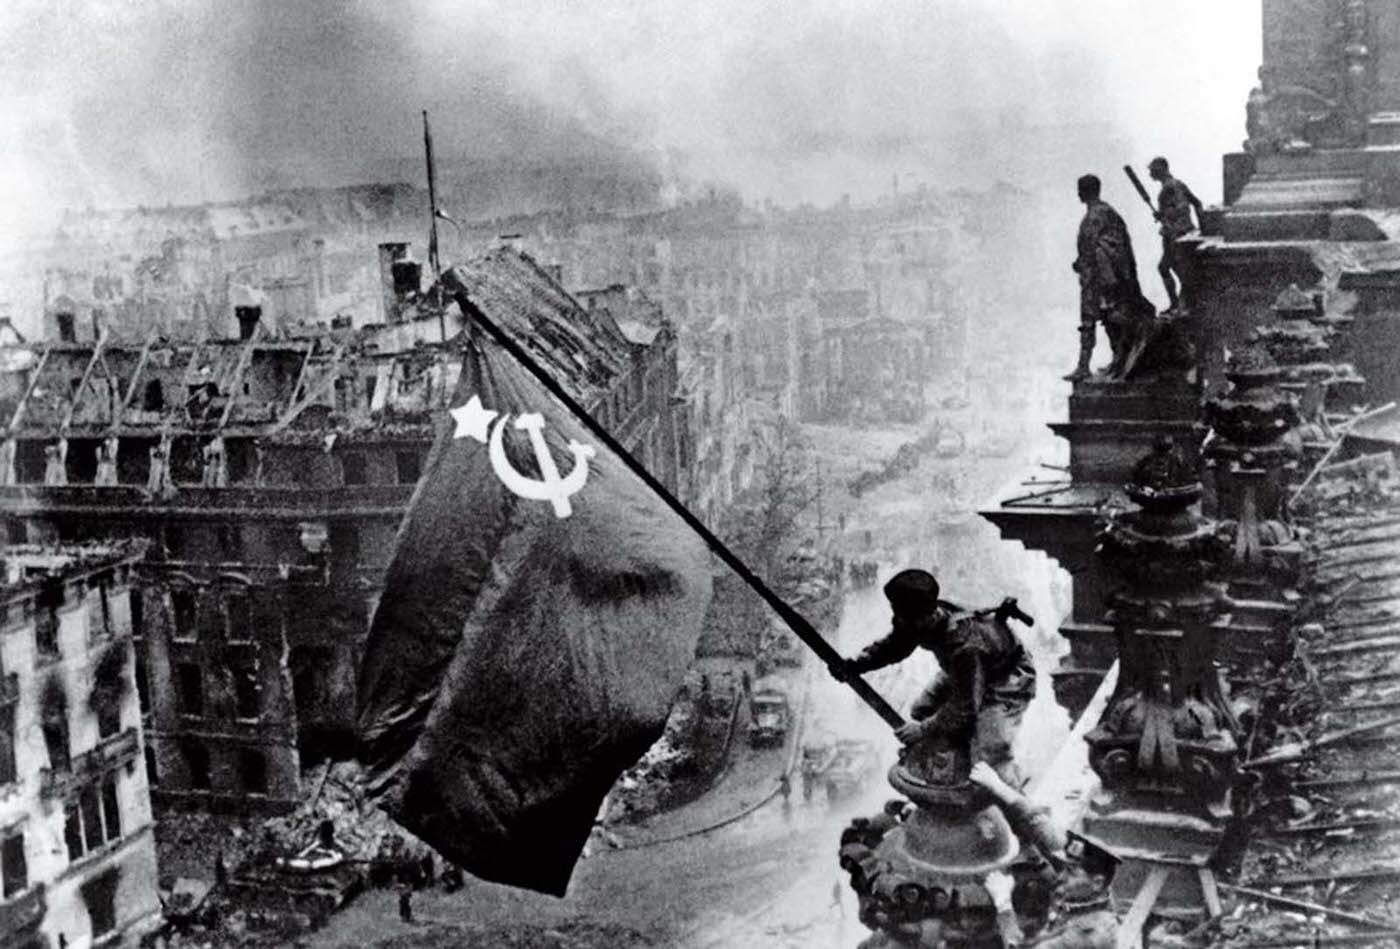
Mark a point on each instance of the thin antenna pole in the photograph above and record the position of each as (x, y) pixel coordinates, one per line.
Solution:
(795, 621)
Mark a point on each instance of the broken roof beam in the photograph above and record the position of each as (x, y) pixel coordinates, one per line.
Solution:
(301, 374)
(314, 393)
(235, 380)
(28, 391)
(141, 361)
(82, 385)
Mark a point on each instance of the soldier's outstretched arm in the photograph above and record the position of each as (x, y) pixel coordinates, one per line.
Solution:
(886, 651)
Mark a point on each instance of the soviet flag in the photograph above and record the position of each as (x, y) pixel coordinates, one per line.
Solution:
(539, 613)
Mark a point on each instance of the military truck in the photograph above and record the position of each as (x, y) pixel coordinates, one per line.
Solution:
(770, 714)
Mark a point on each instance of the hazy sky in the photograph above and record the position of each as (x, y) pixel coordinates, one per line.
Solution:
(113, 102)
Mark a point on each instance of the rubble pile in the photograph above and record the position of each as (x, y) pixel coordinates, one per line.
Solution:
(1321, 863)
(362, 831)
(1352, 486)
(681, 765)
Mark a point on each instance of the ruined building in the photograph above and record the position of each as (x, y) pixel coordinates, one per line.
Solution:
(269, 473)
(77, 852)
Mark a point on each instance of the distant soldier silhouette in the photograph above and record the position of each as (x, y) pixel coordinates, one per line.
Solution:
(1174, 205)
(1108, 283)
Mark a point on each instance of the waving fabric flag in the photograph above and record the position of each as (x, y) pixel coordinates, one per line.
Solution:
(538, 616)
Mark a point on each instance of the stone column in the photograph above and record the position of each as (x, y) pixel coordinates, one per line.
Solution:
(1166, 748)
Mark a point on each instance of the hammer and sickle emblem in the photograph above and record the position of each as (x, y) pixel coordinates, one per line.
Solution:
(550, 487)
(473, 421)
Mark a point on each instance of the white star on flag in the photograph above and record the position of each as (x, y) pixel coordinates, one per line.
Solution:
(472, 419)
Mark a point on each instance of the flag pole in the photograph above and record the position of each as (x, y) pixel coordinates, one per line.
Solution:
(433, 262)
(795, 621)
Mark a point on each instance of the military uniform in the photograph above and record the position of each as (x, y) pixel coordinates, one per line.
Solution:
(985, 681)
(1107, 273)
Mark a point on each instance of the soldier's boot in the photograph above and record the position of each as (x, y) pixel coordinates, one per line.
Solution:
(1086, 352)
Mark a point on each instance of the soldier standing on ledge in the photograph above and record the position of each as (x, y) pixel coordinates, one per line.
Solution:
(1174, 205)
(1107, 271)
(986, 677)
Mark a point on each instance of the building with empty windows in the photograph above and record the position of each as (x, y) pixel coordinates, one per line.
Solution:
(77, 849)
(269, 472)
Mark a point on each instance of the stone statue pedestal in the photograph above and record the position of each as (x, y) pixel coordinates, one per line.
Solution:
(931, 868)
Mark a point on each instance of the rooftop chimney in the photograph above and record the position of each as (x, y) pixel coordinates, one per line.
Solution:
(248, 317)
(389, 254)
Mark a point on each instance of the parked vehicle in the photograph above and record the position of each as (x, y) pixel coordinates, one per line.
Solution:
(770, 713)
(854, 761)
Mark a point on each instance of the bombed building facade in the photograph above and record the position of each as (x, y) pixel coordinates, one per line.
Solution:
(270, 472)
(77, 851)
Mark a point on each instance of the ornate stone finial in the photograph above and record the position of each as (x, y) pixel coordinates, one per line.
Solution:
(1254, 445)
(1255, 413)
(1163, 479)
(1168, 725)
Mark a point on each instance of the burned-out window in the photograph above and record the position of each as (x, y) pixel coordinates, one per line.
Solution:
(345, 542)
(197, 764)
(111, 809)
(230, 544)
(53, 724)
(410, 466)
(239, 609)
(247, 691)
(311, 667)
(186, 613)
(94, 819)
(352, 468)
(109, 688)
(100, 897)
(152, 772)
(109, 719)
(252, 766)
(344, 394)
(8, 772)
(14, 867)
(174, 541)
(100, 613)
(46, 607)
(153, 399)
(189, 682)
(90, 810)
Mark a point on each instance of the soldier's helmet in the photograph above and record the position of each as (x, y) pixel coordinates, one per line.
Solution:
(912, 592)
